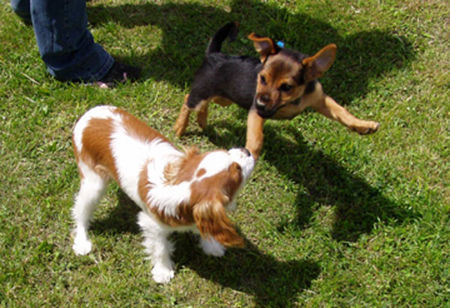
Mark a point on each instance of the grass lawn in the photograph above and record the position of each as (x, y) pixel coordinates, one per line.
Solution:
(330, 218)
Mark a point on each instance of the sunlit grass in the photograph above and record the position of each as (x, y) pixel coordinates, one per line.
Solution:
(330, 217)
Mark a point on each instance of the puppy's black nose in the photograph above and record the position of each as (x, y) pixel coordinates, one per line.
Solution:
(264, 98)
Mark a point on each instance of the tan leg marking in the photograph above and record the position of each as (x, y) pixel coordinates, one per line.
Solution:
(329, 108)
(183, 118)
(255, 135)
(222, 101)
(202, 109)
(202, 114)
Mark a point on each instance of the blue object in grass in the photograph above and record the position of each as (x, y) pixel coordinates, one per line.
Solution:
(280, 44)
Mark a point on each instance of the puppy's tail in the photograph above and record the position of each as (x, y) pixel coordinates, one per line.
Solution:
(230, 30)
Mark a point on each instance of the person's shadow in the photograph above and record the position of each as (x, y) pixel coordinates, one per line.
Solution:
(187, 28)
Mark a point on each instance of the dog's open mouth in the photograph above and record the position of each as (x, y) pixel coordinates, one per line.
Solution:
(265, 113)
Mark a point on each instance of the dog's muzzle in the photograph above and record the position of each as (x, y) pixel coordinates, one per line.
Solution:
(262, 111)
(245, 159)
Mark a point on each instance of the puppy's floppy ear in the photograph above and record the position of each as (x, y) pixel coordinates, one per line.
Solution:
(318, 64)
(263, 45)
(212, 220)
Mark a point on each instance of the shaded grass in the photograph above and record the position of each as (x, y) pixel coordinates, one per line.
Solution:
(330, 217)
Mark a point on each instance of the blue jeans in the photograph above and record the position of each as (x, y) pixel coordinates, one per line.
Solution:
(65, 44)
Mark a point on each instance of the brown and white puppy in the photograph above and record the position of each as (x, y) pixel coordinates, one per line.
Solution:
(177, 191)
(279, 85)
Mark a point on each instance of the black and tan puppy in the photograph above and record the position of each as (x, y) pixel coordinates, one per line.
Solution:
(279, 85)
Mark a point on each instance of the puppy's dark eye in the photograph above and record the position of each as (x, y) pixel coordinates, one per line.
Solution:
(285, 87)
(263, 80)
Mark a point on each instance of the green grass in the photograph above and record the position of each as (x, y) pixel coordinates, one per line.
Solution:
(331, 218)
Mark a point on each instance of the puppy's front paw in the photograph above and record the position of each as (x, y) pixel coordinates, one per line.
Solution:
(162, 274)
(82, 247)
(212, 247)
(368, 127)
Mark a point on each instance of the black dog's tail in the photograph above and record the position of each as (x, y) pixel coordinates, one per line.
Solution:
(230, 30)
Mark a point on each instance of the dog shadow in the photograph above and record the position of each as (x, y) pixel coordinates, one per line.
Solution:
(120, 219)
(273, 283)
(187, 27)
(322, 180)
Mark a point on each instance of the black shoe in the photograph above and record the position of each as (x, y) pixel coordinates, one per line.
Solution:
(119, 73)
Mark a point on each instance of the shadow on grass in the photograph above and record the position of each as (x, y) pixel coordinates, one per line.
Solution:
(120, 219)
(186, 29)
(362, 56)
(321, 180)
(273, 283)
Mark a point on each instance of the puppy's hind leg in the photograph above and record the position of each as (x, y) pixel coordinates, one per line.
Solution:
(183, 118)
(202, 114)
(91, 190)
(158, 247)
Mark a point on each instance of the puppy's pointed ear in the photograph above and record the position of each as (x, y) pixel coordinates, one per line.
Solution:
(212, 220)
(263, 45)
(318, 64)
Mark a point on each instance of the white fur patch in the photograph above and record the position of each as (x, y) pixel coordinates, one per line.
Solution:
(247, 162)
(218, 161)
(214, 163)
(167, 198)
(157, 246)
(91, 190)
(212, 247)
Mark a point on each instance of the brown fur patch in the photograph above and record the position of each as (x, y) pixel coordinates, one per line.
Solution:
(138, 128)
(183, 169)
(96, 151)
(200, 172)
(222, 101)
(211, 220)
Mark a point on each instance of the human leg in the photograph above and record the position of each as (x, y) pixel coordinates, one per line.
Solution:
(65, 44)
